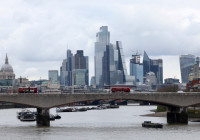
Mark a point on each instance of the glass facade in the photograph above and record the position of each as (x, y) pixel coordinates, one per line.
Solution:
(157, 68)
(80, 76)
(136, 68)
(186, 64)
(53, 75)
(102, 40)
(153, 65)
(74, 69)
(146, 64)
(110, 67)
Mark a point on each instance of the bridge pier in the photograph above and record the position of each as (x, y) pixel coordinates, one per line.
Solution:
(43, 117)
(177, 116)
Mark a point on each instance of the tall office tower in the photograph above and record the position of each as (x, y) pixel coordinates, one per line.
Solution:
(102, 40)
(136, 68)
(155, 66)
(186, 64)
(196, 68)
(146, 64)
(110, 67)
(53, 75)
(114, 67)
(80, 71)
(194, 72)
(66, 70)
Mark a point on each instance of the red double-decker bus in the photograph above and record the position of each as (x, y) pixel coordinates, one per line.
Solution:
(27, 90)
(120, 89)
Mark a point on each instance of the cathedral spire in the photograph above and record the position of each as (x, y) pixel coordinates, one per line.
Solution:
(6, 61)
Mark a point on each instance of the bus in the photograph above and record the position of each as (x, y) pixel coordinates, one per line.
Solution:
(120, 89)
(27, 90)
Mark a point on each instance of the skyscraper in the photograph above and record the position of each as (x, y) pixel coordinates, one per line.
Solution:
(110, 67)
(66, 70)
(157, 67)
(102, 40)
(186, 64)
(53, 75)
(146, 64)
(80, 71)
(153, 65)
(74, 69)
(136, 68)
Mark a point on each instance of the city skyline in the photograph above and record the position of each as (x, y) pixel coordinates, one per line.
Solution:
(36, 33)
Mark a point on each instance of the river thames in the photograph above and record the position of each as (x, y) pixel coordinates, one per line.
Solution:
(109, 124)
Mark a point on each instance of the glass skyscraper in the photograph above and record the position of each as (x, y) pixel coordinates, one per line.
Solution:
(102, 40)
(136, 68)
(146, 64)
(75, 69)
(153, 65)
(186, 64)
(53, 75)
(110, 67)
(157, 67)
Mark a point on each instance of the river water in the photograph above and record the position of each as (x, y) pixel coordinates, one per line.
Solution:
(109, 124)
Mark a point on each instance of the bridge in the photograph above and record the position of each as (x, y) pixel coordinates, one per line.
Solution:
(43, 102)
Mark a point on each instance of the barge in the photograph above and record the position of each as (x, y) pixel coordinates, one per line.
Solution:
(149, 124)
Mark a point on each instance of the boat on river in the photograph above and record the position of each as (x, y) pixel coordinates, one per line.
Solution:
(26, 115)
(66, 109)
(149, 124)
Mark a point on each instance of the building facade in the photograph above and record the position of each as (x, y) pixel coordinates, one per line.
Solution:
(53, 76)
(136, 69)
(66, 70)
(186, 64)
(155, 66)
(102, 40)
(7, 75)
(81, 69)
(75, 70)
(110, 67)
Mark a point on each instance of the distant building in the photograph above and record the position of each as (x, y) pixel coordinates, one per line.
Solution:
(7, 75)
(186, 64)
(195, 71)
(171, 81)
(102, 40)
(81, 69)
(136, 69)
(150, 80)
(110, 67)
(75, 69)
(155, 66)
(66, 70)
(7, 71)
(92, 81)
(53, 75)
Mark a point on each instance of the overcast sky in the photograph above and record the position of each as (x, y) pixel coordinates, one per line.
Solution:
(36, 33)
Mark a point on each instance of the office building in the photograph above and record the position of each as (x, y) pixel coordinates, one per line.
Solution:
(74, 69)
(155, 66)
(66, 70)
(81, 69)
(110, 67)
(53, 76)
(186, 64)
(171, 81)
(102, 40)
(136, 68)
